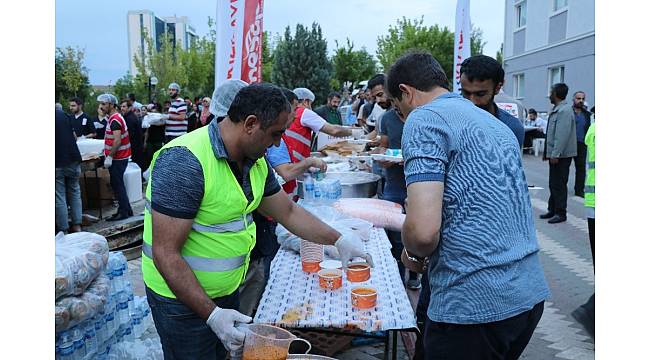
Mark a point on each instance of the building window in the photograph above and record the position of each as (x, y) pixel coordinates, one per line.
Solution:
(519, 86)
(559, 4)
(520, 10)
(555, 75)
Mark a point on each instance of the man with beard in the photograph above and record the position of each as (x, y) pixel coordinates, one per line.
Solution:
(330, 111)
(390, 129)
(134, 124)
(198, 237)
(583, 121)
(175, 119)
(481, 78)
(81, 123)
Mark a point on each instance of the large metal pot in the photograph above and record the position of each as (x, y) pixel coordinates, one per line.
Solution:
(354, 184)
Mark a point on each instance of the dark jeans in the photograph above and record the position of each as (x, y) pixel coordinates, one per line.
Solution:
(183, 334)
(67, 192)
(505, 339)
(116, 171)
(558, 177)
(580, 164)
(421, 315)
(591, 224)
(530, 135)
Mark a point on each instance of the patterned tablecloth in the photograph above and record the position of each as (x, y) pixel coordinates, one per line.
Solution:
(292, 298)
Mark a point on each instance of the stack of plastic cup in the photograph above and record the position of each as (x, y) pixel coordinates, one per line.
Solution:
(311, 254)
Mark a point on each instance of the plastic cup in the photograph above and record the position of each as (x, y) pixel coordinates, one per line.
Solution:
(358, 272)
(330, 279)
(364, 297)
(311, 254)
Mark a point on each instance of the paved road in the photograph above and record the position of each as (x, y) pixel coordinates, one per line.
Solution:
(566, 258)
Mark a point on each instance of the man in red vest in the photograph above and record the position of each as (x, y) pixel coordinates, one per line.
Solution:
(298, 136)
(117, 150)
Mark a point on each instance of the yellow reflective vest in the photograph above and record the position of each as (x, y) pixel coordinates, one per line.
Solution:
(590, 182)
(223, 234)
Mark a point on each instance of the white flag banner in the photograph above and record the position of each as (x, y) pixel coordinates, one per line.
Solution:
(462, 33)
(239, 41)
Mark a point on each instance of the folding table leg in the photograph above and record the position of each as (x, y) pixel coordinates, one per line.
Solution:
(386, 342)
(395, 344)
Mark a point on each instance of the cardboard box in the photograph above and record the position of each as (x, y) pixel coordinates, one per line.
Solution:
(90, 197)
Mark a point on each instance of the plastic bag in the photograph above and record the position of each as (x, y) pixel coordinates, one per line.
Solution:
(79, 259)
(152, 119)
(380, 213)
(137, 350)
(72, 310)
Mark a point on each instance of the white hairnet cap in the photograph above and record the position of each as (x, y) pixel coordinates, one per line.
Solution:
(223, 96)
(174, 86)
(137, 105)
(304, 94)
(107, 98)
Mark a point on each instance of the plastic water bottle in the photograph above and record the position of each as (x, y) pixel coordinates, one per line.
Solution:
(109, 319)
(136, 320)
(100, 328)
(91, 337)
(129, 293)
(66, 346)
(78, 336)
(123, 308)
(308, 187)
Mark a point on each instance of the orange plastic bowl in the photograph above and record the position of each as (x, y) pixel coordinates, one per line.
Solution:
(364, 297)
(310, 267)
(331, 279)
(358, 272)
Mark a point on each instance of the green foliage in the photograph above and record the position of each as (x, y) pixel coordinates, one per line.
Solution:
(301, 61)
(351, 65)
(267, 58)
(71, 76)
(412, 34)
(499, 56)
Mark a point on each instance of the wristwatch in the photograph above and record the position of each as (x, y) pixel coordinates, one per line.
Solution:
(422, 261)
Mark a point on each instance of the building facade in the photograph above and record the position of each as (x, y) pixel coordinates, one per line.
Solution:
(546, 42)
(141, 23)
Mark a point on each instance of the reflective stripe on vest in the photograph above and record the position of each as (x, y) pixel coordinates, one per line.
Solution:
(203, 264)
(590, 188)
(295, 135)
(231, 226)
(298, 155)
(591, 165)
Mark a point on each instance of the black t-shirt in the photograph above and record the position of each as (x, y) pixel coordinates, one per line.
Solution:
(82, 125)
(100, 127)
(134, 127)
(66, 151)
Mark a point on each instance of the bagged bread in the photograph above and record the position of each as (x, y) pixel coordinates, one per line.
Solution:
(380, 213)
(71, 310)
(79, 259)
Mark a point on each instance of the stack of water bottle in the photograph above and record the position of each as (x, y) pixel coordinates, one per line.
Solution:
(319, 190)
(123, 318)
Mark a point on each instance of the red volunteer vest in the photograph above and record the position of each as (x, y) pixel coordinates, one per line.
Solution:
(298, 140)
(124, 151)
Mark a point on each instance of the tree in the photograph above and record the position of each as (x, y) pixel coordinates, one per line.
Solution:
(476, 42)
(267, 57)
(70, 75)
(352, 65)
(412, 34)
(499, 56)
(301, 61)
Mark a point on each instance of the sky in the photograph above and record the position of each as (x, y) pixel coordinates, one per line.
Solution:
(100, 27)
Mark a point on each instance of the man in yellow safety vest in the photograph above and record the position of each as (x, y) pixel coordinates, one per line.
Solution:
(199, 229)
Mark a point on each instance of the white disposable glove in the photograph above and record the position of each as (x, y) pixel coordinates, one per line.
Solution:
(223, 322)
(357, 133)
(349, 246)
(331, 252)
(82, 137)
(108, 162)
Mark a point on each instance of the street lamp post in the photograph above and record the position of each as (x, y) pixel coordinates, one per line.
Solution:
(153, 81)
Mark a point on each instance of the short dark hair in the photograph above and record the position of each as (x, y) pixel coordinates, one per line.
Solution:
(265, 101)
(124, 101)
(290, 95)
(379, 79)
(131, 96)
(76, 100)
(333, 94)
(560, 90)
(532, 111)
(167, 102)
(482, 67)
(418, 69)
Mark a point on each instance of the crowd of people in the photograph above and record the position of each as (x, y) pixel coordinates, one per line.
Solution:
(222, 175)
